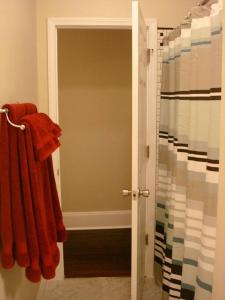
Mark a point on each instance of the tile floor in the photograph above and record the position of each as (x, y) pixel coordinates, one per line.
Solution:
(105, 288)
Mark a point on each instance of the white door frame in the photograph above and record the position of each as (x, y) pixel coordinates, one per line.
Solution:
(109, 23)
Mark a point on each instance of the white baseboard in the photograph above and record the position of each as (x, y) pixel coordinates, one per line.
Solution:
(97, 219)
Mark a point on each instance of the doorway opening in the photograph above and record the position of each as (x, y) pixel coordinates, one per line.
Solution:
(95, 114)
(137, 25)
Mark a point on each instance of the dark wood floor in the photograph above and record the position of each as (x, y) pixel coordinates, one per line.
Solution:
(98, 253)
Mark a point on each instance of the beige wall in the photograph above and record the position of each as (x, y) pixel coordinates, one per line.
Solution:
(18, 60)
(95, 115)
(17, 83)
(219, 275)
(168, 13)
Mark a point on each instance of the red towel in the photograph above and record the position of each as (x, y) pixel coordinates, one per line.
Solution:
(41, 125)
(33, 271)
(45, 134)
(13, 231)
(31, 218)
(41, 215)
(7, 257)
(43, 183)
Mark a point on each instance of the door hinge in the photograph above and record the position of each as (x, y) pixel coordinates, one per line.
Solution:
(150, 51)
(58, 172)
(146, 239)
(148, 151)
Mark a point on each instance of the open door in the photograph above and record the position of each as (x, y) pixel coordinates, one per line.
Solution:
(139, 150)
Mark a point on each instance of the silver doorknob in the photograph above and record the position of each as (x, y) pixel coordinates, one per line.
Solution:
(144, 193)
(126, 193)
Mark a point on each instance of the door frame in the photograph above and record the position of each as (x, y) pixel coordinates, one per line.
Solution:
(110, 23)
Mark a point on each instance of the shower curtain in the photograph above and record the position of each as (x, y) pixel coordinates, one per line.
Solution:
(188, 166)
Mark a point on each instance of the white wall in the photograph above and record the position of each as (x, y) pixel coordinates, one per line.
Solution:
(18, 82)
(168, 13)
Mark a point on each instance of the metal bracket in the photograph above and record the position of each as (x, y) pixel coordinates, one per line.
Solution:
(6, 112)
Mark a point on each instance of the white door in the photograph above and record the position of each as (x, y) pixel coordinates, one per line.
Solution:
(139, 149)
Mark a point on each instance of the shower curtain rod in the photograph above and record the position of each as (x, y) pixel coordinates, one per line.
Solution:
(6, 112)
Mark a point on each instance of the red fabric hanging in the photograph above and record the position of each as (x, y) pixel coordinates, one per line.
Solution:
(45, 134)
(7, 257)
(31, 217)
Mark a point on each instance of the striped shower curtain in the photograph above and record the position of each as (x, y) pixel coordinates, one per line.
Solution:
(188, 166)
